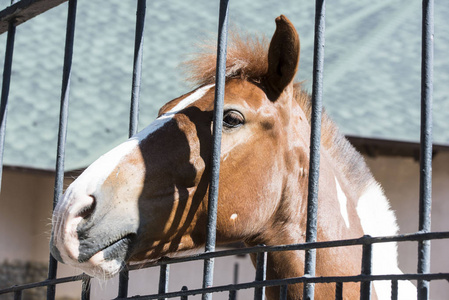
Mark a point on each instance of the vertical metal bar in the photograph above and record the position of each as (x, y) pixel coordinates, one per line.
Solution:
(216, 146)
(163, 279)
(62, 134)
(283, 292)
(137, 67)
(394, 290)
(236, 274)
(134, 107)
(365, 286)
(123, 283)
(85, 289)
(18, 295)
(339, 291)
(261, 274)
(233, 293)
(7, 67)
(184, 288)
(425, 184)
(315, 137)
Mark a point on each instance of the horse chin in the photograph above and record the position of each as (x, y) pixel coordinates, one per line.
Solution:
(100, 267)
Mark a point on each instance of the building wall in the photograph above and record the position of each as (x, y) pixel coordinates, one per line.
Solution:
(25, 212)
(400, 180)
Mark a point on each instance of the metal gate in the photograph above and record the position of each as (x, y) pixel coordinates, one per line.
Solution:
(20, 11)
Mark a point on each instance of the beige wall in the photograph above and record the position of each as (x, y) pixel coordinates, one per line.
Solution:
(400, 180)
(26, 203)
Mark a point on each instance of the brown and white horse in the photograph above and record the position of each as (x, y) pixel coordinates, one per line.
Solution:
(147, 197)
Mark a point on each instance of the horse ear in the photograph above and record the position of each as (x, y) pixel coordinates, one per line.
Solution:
(283, 56)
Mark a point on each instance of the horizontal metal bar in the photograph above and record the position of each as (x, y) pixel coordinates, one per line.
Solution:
(328, 244)
(339, 243)
(25, 10)
(240, 286)
(44, 283)
(280, 282)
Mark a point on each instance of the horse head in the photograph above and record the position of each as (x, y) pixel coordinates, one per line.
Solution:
(147, 198)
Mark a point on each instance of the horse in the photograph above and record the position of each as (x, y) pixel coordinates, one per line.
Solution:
(147, 198)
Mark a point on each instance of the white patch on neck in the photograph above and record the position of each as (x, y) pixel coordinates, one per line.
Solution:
(233, 216)
(377, 219)
(342, 200)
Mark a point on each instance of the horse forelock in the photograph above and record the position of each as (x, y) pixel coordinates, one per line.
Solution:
(246, 59)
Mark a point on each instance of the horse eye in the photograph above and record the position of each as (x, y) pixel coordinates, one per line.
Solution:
(233, 119)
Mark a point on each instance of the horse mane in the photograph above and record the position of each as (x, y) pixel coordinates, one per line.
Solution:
(247, 59)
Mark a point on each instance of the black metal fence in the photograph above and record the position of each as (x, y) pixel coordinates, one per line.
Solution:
(20, 11)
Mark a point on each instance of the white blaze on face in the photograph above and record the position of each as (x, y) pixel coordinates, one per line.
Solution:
(77, 196)
(102, 167)
(342, 200)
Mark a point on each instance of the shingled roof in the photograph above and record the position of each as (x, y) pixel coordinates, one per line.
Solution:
(371, 79)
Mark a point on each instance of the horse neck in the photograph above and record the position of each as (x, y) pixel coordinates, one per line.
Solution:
(288, 226)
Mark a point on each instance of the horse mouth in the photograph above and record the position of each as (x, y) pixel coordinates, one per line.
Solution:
(116, 249)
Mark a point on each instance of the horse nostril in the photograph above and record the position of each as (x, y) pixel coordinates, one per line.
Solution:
(88, 210)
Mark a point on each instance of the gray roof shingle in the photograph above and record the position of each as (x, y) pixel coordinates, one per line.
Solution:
(371, 79)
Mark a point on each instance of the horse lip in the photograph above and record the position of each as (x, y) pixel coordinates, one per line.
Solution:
(117, 247)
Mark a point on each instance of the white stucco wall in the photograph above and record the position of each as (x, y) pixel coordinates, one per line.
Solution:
(25, 211)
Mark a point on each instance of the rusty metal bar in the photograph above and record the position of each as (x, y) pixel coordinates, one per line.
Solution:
(24, 10)
(295, 280)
